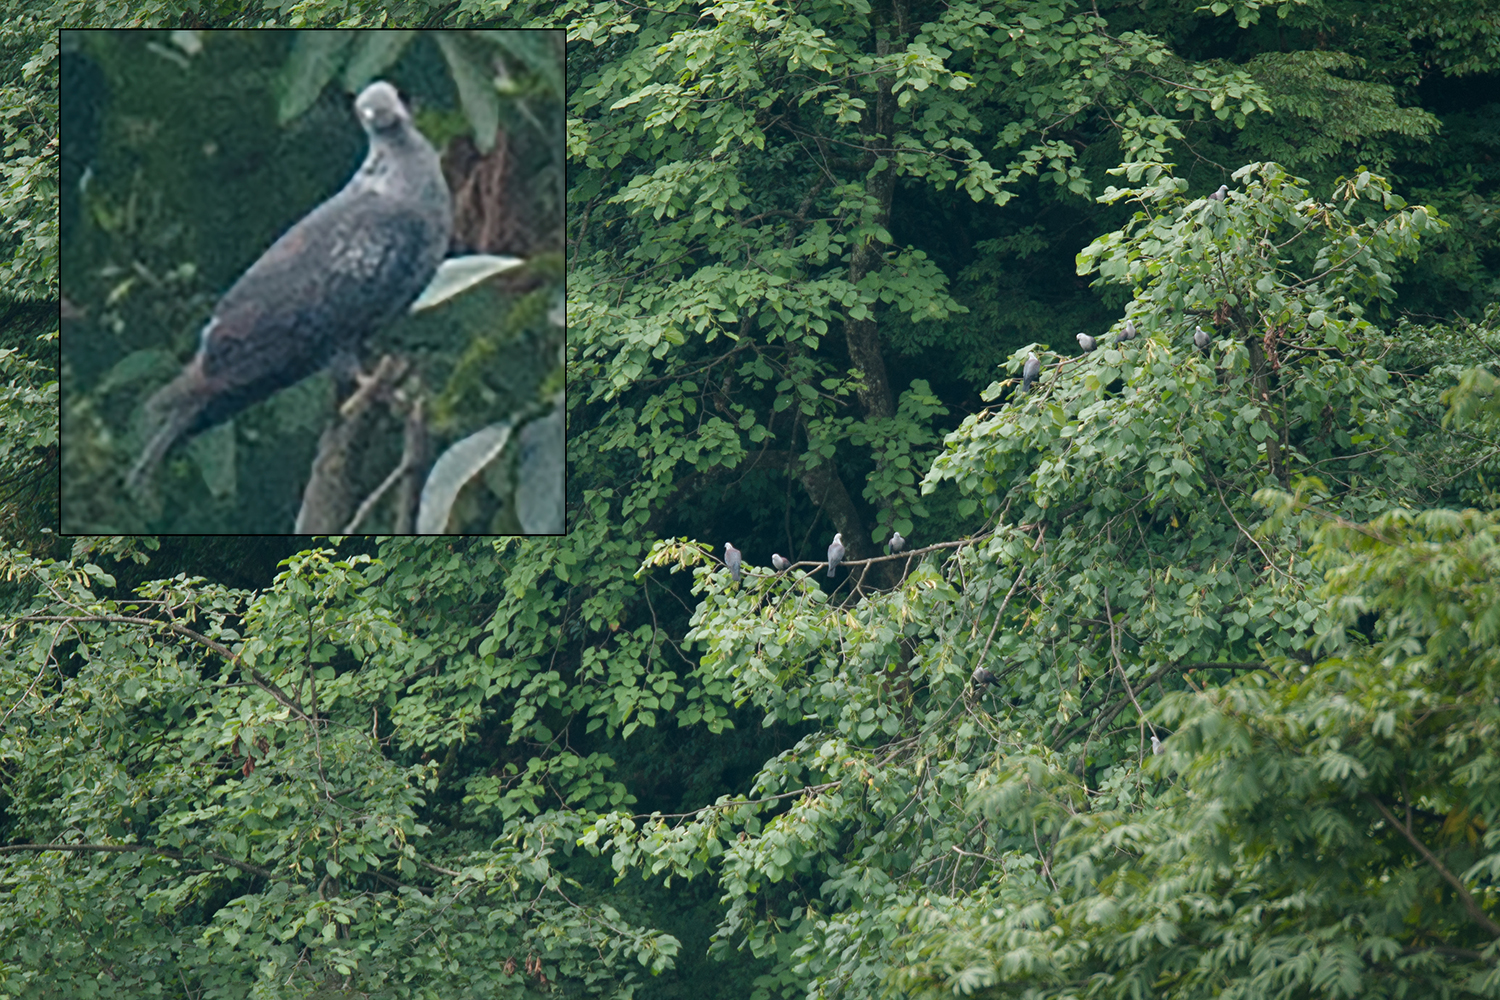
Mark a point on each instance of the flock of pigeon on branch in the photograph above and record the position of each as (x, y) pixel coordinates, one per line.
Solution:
(1029, 373)
(1201, 338)
(734, 560)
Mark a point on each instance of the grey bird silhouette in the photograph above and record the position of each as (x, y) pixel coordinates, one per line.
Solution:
(732, 560)
(1201, 339)
(897, 542)
(1030, 371)
(1128, 333)
(981, 677)
(1219, 194)
(778, 562)
(350, 266)
(835, 555)
(1087, 343)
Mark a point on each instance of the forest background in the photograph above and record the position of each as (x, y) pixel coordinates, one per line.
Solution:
(1237, 604)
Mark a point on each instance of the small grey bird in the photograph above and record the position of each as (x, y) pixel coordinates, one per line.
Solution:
(1086, 342)
(1155, 744)
(835, 555)
(1030, 371)
(1201, 339)
(1128, 333)
(1219, 194)
(981, 677)
(897, 542)
(778, 562)
(732, 560)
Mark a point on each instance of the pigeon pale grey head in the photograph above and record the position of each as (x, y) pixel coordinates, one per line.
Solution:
(778, 562)
(981, 677)
(1086, 342)
(732, 560)
(1030, 371)
(379, 108)
(1128, 333)
(897, 542)
(1201, 339)
(1219, 194)
(835, 555)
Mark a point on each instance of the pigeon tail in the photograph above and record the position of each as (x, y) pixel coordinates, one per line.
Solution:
(170, 412)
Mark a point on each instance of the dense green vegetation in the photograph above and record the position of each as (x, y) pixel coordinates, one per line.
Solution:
(1238, 605)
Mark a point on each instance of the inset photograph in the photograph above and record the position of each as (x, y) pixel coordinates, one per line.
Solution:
(313, 282)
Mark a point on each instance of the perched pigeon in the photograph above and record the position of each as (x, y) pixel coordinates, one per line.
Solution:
(1155, 744)
(1032, 369)
(1129, 332)
(778, 562)
(897, 542)
(1219, 194)
(981, 677)
(835, 555)
(1086, 342)
(1201, 339)
(351, 265)
(732, 560)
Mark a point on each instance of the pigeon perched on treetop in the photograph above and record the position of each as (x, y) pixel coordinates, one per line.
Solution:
(779, 563)
(1219, 194)
(1155, 744)
(1030, 371)
(835, 554)
(732, 560)
(981, 677)
(897, 542)
(348, 267)
(1128, 333)
(1201, 339)
(1086, 342)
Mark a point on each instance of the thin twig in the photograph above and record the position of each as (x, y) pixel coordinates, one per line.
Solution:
(1470, 904)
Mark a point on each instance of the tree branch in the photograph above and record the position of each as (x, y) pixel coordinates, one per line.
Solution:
(1471, 905)
(243, 866)
(261, 681)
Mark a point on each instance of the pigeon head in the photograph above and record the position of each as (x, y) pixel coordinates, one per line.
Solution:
(380, 110)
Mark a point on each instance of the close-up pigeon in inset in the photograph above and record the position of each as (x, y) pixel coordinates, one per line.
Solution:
(1086, 342)
(780, 564)
(1201, 339)
(897, 542)
(1219, 194)
(835, 555)
(350, 266)
(1030, 371)
(1128, 333)
(732, 560)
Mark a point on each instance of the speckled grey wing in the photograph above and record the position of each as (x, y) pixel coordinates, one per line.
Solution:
(346, 269)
